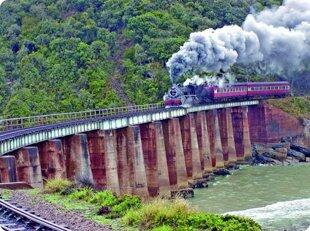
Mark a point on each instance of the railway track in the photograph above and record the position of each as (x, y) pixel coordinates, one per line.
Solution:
(13, 218)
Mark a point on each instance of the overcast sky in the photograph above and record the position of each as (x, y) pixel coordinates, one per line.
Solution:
(1, 1)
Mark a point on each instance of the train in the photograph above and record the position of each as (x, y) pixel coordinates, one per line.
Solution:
(205, 93)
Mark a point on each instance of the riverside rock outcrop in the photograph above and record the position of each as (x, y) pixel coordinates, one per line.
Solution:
(279, 153)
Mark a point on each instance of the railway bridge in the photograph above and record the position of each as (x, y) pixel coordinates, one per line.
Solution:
(144, 150)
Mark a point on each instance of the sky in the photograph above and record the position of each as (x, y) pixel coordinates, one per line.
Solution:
(1, 1)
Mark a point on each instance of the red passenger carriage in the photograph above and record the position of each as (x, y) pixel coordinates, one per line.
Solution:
(202, 94)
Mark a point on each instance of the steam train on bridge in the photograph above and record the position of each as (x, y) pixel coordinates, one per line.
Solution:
(205, 93)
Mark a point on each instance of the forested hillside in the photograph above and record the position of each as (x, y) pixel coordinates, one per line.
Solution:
(70, 55)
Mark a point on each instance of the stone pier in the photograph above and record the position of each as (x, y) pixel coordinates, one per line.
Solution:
(123, 167)
(110, 147)
(191, 148)
(28, 166)
(97, 158)
(162, 166)
(52, 159)
(215, 139)
(78, 159)
(8, 169)
(246, 140)
(227, 136)
(135, 157)
(203, 142)
(175, 154)
(150, 157)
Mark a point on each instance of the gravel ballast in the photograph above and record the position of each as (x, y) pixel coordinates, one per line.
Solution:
(75, 221)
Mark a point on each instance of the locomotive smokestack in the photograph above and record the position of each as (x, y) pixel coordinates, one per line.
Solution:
(279, 38)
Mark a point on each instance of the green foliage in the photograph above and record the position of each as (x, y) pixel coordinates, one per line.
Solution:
(296, 106)
(60, 56)
(57, 185)
(104, 198)
(119, 205)
(125, 203)
(85, 194)
(178, 215)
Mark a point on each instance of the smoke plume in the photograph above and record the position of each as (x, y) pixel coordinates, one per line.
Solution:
(278, 38)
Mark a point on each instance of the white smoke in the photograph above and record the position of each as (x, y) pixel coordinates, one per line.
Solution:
(275, 38)
(227, 78)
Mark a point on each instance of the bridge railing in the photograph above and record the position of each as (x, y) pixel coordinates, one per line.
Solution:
(33, 121)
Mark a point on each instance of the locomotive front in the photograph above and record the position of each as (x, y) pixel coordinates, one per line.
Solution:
(173, 98)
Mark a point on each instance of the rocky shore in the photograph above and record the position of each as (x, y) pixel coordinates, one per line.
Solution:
(279, 153)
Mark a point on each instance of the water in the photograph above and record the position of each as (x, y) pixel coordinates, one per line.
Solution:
(277, 197)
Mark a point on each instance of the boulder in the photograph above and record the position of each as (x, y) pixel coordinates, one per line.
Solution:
(104, 210)
(297, 155)
(221, 172)
(274, 154)
(259, 149)
(304, 150)
(280, 145)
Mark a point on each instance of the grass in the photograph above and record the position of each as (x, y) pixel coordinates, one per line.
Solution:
(57, 185)
(296, 106)
(166, 215)
(5, 194)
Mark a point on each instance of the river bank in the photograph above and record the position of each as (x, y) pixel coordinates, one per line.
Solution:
(82, 208)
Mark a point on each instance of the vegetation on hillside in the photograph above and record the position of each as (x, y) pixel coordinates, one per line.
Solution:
(296, 106)
(70, 55)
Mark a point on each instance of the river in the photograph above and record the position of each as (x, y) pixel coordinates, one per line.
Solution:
(277, 197)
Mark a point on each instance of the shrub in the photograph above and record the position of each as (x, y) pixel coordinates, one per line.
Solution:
(158, 213)
(178, 215)
(57, 185)
(163, 228)
(125, 203)
(85, 194)
(104, 198)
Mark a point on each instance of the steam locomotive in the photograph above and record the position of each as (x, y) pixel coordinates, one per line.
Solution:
(192, 94)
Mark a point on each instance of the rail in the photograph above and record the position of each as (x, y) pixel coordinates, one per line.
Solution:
(33, 121)
(40, 223)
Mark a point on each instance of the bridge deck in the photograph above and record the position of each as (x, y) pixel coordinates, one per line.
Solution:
(22, 132)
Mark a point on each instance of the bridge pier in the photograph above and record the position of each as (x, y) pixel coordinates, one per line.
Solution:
(97, 158)
(148, 137)
(78, 159)
(204, 142)
(122, 162)
(191, 148)
(215, 139)
(8, 169)
(136, 162)
(111, 161)
(162, 166)
(241, 133)
(52, 160)
(28, 166)
(175, 154)
(227, 136)
(247, 146)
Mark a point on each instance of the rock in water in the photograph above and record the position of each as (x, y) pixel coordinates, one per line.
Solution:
(221, 172)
